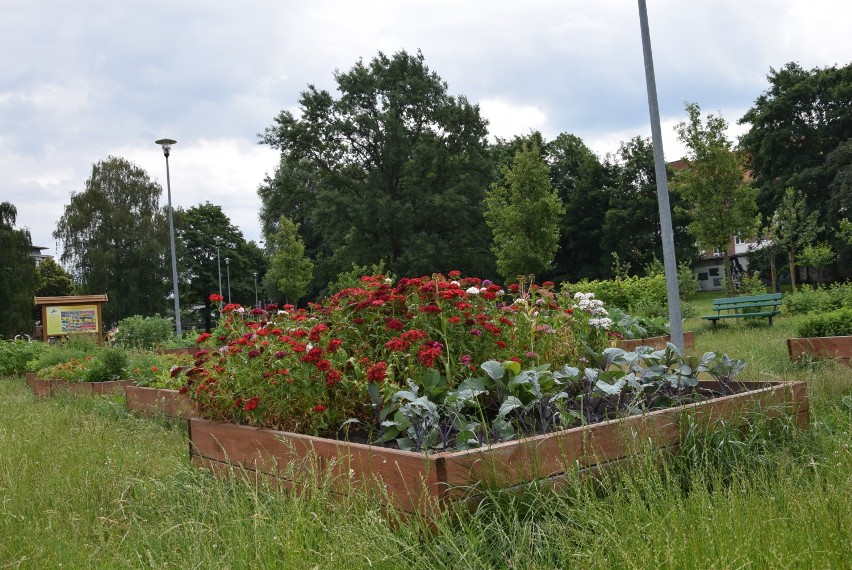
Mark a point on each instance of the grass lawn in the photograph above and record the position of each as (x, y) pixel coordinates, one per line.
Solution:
(83, 484)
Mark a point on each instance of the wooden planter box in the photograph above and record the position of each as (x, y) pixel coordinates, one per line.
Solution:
(160, 402)
(839, 347)
(417, 482)
(58, 386)
(657, 342)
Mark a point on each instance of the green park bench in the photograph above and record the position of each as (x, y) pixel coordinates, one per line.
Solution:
(749, 306)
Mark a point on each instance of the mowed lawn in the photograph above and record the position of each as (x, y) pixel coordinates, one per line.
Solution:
(84, 484)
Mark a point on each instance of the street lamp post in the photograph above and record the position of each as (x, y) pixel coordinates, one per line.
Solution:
(255, 288)
(167, 145)
(218, 241)
(228, 272)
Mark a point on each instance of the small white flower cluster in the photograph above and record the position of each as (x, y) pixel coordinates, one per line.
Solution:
(588, 303)
(600, 323)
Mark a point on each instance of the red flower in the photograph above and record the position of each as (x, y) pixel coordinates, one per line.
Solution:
(319, 408)
(454, 274)
(431, 309)
(377, 372)
(334, 344)
(332, 377)
(215, 297)
(202, 337)
(394, 324)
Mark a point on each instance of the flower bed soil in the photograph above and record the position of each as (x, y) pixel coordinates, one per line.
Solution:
(57, 386)
(418, 482)
(160, 402)
(657, 342)
(839, 347)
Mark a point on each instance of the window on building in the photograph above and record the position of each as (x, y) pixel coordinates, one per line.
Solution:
(714, 271)
(702, 276)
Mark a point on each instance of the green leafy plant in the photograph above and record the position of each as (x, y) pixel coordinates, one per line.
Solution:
(143, 332)
(834, 323)
(16, 356)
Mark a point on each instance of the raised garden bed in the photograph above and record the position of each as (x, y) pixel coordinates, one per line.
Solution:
(657, 342)
(417, 482)
(57, 386)
(160, 402)
(839, 347)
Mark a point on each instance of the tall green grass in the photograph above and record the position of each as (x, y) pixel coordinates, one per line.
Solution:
(85, 485)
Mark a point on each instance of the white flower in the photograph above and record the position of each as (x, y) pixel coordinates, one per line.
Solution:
(501, 292)
(241, 310)
(603, 323)
(472, 291)
(456, 283)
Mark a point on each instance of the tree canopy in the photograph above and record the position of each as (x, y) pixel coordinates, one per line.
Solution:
(114, 240)
(17, 275)
(523, 215)
(394, 168)
(290, 269)
(720, 199)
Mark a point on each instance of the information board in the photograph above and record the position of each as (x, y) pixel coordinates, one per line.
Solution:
(62, 320)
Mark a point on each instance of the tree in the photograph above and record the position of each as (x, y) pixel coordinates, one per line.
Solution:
(393, 169)
(290, 270)
(817, 255)
(115, 240)
(631, 225)
(722, 203)
(581, 182)
(52, 280)
(524, 215)
(17, 275)
(794, 227)
(197, 230)
(795, 125)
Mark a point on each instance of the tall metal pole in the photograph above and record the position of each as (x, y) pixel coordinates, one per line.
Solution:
(255, 288)
(167, 145)
(228, 271)
(666, 231)
(218, 241)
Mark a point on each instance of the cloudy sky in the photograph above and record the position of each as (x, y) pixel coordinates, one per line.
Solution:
(84, 80)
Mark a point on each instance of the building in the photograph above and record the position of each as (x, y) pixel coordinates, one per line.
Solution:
(36, 253)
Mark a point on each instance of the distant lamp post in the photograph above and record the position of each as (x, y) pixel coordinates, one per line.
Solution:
(218, 241)
(255, 288)
(167, 146)
(228, 272)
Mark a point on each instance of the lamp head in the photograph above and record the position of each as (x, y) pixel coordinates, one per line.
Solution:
(166, 144)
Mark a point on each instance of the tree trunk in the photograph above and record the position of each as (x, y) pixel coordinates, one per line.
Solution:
(772, 273)
(791, 259)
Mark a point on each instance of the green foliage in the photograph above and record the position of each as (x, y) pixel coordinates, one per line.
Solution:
(17, 275)
(16, 356)
(798, 130)
(394, 168)
(834, 323)
(631, 327)
(143, 332)
(52, 280)
(817, 255)
(687, 281)
(109, 364)
(523, 214)
(720, 200)
(197, 229)
(352, 278)
(74, 347)
(115, 239)
(643, 296)
(290, 270)
(794, 227)
(821, 299)
(751, 284)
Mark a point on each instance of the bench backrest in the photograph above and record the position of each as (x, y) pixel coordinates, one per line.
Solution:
(768, 300)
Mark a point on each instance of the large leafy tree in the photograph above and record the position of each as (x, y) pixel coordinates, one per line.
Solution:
(17, 275)
(795, 125)
(721, 201)
(394, 168)
(290, 270)
(630, 227)
(523, 215)
(197, 230)
(52, 280)
(114, 240)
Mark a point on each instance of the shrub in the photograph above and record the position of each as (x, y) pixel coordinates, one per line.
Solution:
(78, 348)
(109, 364)
(143, 332)
(636, 295)
(821, 299)
(15, 355)
(834, 323)
(751, 284)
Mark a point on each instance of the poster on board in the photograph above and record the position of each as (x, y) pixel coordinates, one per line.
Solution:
(63, 320)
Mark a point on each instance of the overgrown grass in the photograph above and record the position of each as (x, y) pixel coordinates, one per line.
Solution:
(85, 485)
